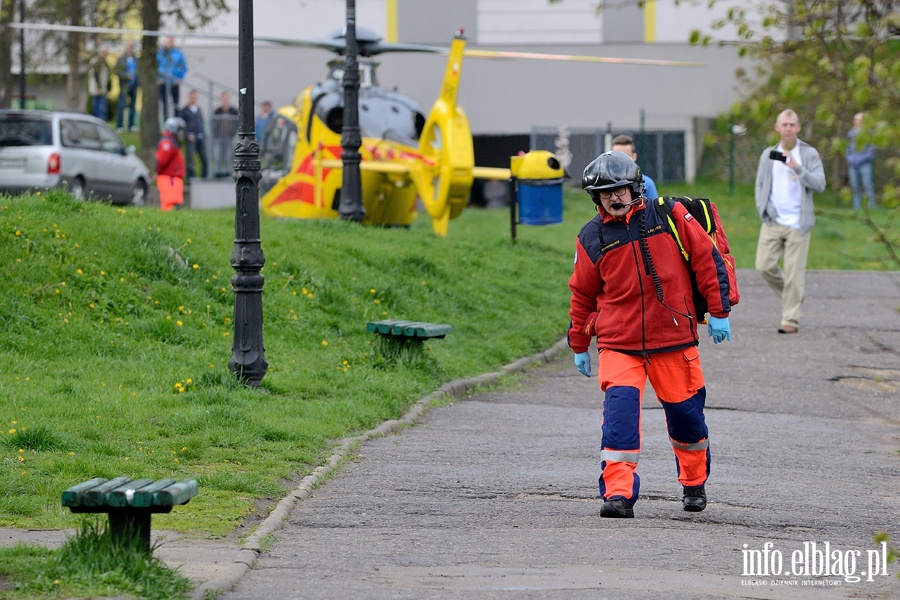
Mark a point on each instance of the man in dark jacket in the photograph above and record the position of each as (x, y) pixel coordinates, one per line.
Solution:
(224, 128)
(195, 141)
(127, 72)
(631, 288)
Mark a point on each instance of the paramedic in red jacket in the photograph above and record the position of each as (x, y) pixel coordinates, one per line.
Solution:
(631, 288)
(170, 166)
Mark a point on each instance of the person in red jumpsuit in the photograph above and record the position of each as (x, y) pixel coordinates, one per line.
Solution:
(170, 166)
(631, 289)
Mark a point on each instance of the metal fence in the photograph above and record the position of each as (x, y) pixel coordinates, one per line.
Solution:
(661, 153)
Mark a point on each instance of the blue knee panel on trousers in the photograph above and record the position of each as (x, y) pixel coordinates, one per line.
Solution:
(685, 420)
(621, 418)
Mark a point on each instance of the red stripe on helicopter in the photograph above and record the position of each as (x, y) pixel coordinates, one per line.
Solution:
(393, 154)
(305, 191)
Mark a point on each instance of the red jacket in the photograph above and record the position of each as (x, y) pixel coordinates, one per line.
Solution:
(613, 292)
(169, 159)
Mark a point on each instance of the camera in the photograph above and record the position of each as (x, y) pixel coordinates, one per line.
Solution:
(776, 155)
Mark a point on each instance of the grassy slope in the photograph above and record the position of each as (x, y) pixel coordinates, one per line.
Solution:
(115, 332)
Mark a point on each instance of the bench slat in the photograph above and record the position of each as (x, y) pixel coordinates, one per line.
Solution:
(72, 496)
(177, 493)
(143, 498)
(96, 496)
(409, 329)
(121, 497)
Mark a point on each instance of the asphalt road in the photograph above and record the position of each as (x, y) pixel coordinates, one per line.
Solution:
(495, 494)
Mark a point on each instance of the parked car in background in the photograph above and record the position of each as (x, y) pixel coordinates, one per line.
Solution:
(54, 149)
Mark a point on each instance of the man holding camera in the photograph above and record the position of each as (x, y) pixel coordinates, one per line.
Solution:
(788, 174)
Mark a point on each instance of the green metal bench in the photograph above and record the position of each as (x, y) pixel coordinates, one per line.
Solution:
(409, 330)
(129, 503)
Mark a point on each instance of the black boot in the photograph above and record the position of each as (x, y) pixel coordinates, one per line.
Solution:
(694, 499)
(617, 508)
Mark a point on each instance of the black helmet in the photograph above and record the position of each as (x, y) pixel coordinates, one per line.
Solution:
(612, 170)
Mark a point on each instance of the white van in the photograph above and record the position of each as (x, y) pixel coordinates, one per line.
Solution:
(46, 149)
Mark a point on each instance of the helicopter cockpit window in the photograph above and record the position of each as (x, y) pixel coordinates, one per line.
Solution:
(278, 143)
(335, 119)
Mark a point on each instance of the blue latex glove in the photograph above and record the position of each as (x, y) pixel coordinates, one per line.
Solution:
(719, 329)
(583, 362)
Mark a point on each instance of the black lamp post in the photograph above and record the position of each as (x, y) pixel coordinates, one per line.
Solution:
(351, 206)
(248, 360)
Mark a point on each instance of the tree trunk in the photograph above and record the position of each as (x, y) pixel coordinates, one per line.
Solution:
(149, 89)
(7, 37)
(74, 45)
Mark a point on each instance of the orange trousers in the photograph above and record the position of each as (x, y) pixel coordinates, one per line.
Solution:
(171, 191)
(677, 379)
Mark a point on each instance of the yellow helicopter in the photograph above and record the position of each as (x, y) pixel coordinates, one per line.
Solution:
(407, 156)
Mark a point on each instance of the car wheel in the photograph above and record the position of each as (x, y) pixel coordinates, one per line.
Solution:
(76, 188)
(139, 193)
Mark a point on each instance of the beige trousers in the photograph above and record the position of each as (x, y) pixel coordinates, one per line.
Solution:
(775, 242)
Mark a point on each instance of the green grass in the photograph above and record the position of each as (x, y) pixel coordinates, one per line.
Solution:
(89, 564)
(116, 329)
(841, 238)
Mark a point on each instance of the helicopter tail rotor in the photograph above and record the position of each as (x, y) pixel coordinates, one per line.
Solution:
(444, 179)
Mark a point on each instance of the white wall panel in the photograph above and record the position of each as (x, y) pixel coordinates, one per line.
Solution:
(538, 22)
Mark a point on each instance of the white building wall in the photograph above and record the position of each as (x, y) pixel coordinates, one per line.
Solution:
(501, 96)
(538, 22)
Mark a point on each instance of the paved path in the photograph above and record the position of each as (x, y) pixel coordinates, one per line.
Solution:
(495, 495)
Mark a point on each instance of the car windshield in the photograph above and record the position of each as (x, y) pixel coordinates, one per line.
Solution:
(25, 132)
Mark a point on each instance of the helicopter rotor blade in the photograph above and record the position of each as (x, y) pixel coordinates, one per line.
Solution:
(333, 45)
(336, 44)
(501, 54)
(367, 46)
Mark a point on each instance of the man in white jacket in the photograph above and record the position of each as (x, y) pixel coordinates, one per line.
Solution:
(788, 174)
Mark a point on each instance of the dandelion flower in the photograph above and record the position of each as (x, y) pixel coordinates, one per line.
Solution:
(324, 342)
(195, 266)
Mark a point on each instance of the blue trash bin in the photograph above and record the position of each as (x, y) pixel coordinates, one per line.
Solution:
(540, 201)
(539, 192)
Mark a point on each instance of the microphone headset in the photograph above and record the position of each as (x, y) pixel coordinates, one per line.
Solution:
(621, 205)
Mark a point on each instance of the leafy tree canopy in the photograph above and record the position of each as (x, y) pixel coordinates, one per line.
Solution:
(827, 60)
